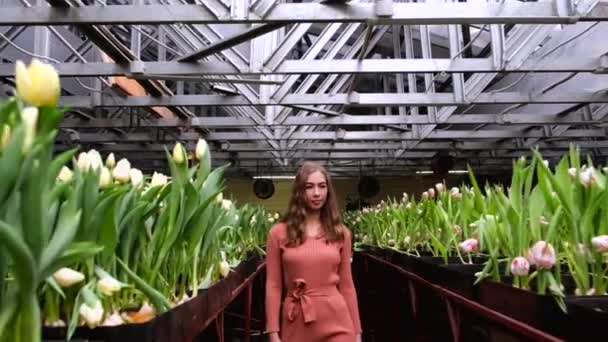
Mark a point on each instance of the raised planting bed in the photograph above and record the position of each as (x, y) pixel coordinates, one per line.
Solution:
(183, 323)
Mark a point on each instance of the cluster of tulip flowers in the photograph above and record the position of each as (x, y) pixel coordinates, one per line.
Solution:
(547, 224)
(100, 243)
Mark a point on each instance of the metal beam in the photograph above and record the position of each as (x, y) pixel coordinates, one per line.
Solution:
(345, 136)
(343, 120)
(431, 13)
(231, 41)
(355, 100)
(592, 64)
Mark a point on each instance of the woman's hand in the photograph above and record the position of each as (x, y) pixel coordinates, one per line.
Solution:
(274, 337)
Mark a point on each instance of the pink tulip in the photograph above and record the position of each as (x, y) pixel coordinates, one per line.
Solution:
(520, 266)
(542, 255)
(600, 243)
(469, 245)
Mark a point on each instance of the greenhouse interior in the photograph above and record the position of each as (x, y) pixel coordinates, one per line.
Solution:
(164, 163)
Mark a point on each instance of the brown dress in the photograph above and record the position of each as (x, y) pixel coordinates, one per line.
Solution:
(321, 301)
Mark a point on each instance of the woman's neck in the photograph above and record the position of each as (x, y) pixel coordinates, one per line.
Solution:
(313, 223)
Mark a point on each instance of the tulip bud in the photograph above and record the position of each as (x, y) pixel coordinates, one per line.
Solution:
(440, 187)
(407, 240)
(432, 193)
(92, 315)
(405, 197)
(29, 116)
(224, 268)
(572, 172)
(600, 243)
(219, 198)
(37, 84)
(67, 277)
(121, 171)
(108, 285)
(179, 154)
(105, 178)
(227, 204)
(457, 229)
(201, 149)
(95, 159)
(469, 245)
(425, 196)
(137, 177)
(546, 163)
(65, 175)
(392, 242)
(542, 255)
(84, 162)
(110, 161)
(5, 136)
(276, 216)
(520, 266)
(158, 179)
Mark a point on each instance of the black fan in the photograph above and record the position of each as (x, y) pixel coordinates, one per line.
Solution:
(263, 188)
(368, 186)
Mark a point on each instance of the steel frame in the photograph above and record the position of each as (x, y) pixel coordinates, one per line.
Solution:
(313, 82)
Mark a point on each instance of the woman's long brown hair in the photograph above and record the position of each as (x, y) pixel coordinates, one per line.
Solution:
(296, 214)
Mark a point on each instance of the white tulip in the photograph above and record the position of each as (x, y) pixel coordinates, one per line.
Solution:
(84, 162)
(105, 178)
(121, 171)
(432, 193)
(110, 161)
(65, 175)
(572, 172)
(92, 315)
(201, 149)
(108, 285)
(425, 196)
(29, 115)
(179, 154)
(440, 187)
(226, 204)
(67, 277)
(95, 160)
(158, 179)
(137, 177)
(600, 243)
(546, 163)
(113, 320)
(224, 268)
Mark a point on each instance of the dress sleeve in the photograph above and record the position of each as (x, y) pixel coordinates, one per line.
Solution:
(347, 286)
(273, 281)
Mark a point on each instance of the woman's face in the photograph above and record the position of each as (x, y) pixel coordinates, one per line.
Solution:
(316, 191)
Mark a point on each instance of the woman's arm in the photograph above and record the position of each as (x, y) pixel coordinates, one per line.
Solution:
(273, 281)
(347, 286)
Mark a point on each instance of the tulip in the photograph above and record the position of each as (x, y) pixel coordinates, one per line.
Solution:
(457, 229)
(572, 172)
(542, 255)
(179, 154)
(137, 178)
(407, 240)
(95, 159)
(469, 245)
(440, 187)
(158, 179)
(546, 163)
(110, 161)
(65, 175)
(108, 285)
(224, 268)
(84, 162)
(29, 116)
(392, 242)
(600, 243)
(201, 149)
(425, 196)
(405, 197)
(67, 277)
(92, 315)
(276, 216)
(226, 204)
(520, 266)
(113, 320)
(105, 178)
(432, 193)
(253, 221)
(5, 136)
(38, 84)
(587, 177)
(121, 171)
(219, 198)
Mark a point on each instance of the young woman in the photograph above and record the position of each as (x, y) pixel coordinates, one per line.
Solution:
(309, 256)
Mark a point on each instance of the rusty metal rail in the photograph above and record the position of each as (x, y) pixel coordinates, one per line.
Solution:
(455, 302)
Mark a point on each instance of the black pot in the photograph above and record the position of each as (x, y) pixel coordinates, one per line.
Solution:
(586, 317)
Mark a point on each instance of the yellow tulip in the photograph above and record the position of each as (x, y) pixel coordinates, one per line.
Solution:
(38, 84)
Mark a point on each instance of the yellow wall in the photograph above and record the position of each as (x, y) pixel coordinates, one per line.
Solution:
(241, 189)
